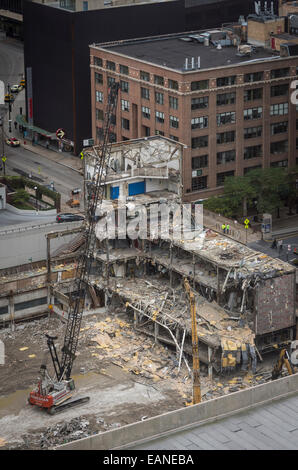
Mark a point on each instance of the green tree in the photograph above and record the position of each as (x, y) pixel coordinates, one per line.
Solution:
(239, 192)
(269, 185)
(20, 197)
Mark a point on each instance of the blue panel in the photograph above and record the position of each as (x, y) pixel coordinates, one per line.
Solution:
(115, 192)
(136, 188)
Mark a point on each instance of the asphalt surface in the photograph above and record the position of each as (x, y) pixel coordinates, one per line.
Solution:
(8, 219)
(284, 255)
(20, 161)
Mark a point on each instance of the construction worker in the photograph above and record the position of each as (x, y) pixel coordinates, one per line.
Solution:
(228, 228)
(223, 228)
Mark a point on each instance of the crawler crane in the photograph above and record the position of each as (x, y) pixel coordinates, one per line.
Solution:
(56, 394)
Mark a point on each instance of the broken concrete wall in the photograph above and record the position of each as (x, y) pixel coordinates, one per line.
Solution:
(275, 304)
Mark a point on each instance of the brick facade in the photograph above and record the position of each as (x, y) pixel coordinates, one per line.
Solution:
(243, 100)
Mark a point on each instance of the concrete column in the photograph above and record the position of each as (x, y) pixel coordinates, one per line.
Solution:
(135, 319)
(156, 332)
(209, 362)
(194, 270)
(11, 310)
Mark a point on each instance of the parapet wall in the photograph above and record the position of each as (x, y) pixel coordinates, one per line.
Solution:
(184, 418)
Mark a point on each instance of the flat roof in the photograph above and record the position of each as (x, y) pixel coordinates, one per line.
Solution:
(171, 51)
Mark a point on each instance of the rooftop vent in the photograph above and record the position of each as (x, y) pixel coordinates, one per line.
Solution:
(192, 64)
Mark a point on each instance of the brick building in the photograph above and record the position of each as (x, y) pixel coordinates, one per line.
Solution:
(230, 105)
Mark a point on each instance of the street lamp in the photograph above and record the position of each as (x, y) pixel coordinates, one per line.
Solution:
(35, 188)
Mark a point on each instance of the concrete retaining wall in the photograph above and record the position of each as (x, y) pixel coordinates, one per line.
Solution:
(184, 418)
(21, 243)
(15, 210)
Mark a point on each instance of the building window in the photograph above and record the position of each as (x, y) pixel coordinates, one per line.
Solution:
(199, 142)
(125, 124)
(158, 132)
(145, 93)
(279, 109)
(123, 69)
(173, 84)
(174, 137)
(174, 122)
(278, 73)
(124, 86)
(199, 85)
(173, 102)
(282, 163)
(199, 122)
(226, 81)
(225, 137)
(112, 137)
(111, 65)
(280, 90)
(252, 152)
(98, 78)
(250, 168)
(226, 157)
(144, 76)
(279, 147)
(97, 61)
(99, 133)
(253, 113)
(124, 105)
(159, 117)
(85, 6)
(99, 96)
(159, 98)
(225, 98)
(220, 177)
(158, 80)
(146, 112)
(111, 80)
(200, 103)
(146, 131)
(198, 183)
(253, 77)
(199, 162)
(253, 94)
(226, 118)
(99, 114)
(279, 127)
(252, 132)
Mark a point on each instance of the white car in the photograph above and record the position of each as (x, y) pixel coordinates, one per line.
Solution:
(16, 88)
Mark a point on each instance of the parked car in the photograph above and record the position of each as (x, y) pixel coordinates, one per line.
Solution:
(16, 88)
(8, 98)
(13, 142)
(69, 217)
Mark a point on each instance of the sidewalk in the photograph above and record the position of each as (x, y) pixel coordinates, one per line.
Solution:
(62, 158)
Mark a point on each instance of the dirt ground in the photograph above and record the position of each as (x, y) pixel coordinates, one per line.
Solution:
(127, 377)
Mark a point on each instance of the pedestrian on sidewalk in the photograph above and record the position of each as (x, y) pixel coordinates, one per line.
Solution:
(274, 244)
(228, 228)
(279, 244)
(47, 145)
(223, 227)
(15, 125)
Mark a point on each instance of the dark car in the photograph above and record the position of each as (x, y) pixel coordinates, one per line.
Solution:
(69, 217)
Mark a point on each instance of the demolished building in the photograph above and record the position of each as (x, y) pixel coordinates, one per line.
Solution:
(245, 299)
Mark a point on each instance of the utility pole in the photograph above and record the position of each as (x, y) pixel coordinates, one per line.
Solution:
(9, 110)
(3, 159)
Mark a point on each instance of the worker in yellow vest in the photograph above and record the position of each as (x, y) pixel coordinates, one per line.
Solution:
(223, 228)
(228, 228)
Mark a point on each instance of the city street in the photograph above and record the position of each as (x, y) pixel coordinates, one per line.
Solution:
(21, 161)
